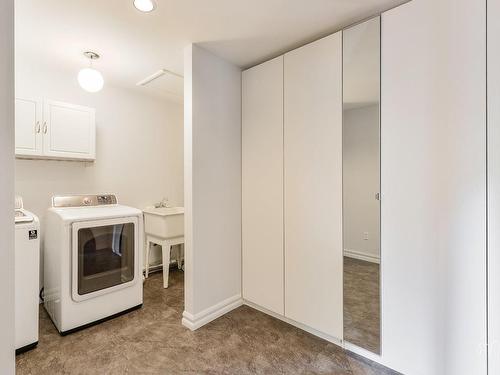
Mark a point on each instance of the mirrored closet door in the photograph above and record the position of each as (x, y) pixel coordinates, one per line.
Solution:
(361, 184)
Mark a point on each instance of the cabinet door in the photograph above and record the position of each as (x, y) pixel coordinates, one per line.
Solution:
(69, 131)
(313, 185)
(28, 127)
(262, 185)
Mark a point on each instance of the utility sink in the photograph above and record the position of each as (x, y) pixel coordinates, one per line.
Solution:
(164, 222)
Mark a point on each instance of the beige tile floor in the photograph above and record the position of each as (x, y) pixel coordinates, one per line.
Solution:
(153, 341)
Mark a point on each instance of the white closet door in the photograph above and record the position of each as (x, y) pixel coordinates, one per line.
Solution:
(313, 185)
(262, 142)
(433, 185)
(69, 131)
(28, 127)
(493, 187)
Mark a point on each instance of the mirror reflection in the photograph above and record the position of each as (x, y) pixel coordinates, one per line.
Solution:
(361, 184)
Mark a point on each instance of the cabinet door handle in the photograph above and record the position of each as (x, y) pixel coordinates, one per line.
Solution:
(37, 127)
(45, 127)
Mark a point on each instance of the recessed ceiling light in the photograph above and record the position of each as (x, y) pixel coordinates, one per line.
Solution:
(145, 5)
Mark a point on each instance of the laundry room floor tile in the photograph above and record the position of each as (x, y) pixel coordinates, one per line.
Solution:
(152, 340)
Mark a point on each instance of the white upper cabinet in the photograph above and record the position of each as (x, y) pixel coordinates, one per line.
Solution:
(262, 185)
(313, 185)
(28, 127)
(69, 131)
(54, 130)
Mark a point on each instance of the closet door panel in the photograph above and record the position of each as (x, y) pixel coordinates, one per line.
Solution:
(262, 185)
(433, 185)
(313, 185)
(493, 187)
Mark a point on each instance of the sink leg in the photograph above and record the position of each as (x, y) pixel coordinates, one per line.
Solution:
(180, 257)
(165, 253)
(148, 247)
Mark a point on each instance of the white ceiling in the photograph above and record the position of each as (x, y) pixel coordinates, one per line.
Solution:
(134, 45)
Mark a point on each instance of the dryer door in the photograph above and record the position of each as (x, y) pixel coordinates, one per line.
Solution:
(104, 256)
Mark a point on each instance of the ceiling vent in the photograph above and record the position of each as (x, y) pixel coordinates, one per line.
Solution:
(164, 82)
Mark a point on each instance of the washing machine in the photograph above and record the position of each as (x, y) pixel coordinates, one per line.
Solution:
(92, 260)
(27, 277)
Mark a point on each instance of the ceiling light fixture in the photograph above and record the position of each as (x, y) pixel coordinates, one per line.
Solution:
(145, 6)
(90, 80)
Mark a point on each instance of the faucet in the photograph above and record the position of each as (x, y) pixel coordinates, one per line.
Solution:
(163, 203)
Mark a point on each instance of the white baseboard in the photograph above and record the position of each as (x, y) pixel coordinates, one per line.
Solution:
(312, 331)
(193, 322)
(361, 256)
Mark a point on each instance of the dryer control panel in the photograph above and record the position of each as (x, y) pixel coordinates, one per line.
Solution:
(84, 200)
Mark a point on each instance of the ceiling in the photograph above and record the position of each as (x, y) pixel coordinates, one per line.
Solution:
(134, 45)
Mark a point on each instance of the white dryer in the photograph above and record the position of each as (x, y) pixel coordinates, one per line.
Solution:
(27, 279)
(92, 260)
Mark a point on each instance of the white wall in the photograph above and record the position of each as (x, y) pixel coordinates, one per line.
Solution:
(212, 186)
(7, 186)
(494, 185)
(434, 188)
(139, 145)
(361, 180)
